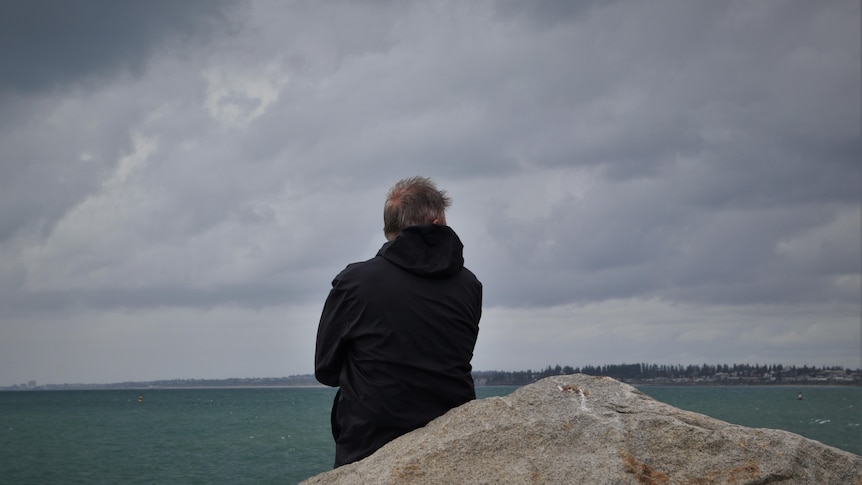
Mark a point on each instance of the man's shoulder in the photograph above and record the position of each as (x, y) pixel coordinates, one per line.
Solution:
(374, 267)
(466, 273)
(361, 267)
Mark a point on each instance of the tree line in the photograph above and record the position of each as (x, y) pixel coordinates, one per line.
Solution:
(648, 372)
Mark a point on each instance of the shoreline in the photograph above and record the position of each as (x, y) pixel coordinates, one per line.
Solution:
(109, 387)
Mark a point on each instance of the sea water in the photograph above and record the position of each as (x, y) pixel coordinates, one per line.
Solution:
(260, 436)
(829, 414)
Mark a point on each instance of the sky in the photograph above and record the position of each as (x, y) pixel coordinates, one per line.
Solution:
(668, 182)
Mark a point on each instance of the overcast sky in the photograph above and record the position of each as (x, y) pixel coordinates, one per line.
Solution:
(663, 182)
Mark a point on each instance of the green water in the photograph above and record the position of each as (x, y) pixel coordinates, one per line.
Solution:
(831, 415)
(261, 436)
(253, 436)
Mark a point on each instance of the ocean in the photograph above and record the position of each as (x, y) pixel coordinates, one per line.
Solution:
(281, 435)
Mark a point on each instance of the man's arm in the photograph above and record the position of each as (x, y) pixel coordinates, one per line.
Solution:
(331, 336)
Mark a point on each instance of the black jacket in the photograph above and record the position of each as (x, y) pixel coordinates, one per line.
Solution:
(397, 335)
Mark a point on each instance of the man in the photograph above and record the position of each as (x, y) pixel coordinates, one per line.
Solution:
(397, 331)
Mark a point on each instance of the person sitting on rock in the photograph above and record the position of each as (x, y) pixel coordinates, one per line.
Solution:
(397, 332)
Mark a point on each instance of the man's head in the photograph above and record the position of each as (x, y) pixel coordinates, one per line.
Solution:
(411, 202)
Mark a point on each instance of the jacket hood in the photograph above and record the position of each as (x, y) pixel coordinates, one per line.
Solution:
(431, 250)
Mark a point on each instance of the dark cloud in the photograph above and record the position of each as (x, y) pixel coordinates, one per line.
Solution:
(546, 13)
(51, 47)
(647, 238)
(53, 43)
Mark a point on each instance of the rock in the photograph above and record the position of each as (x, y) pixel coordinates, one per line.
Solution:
(594, 430)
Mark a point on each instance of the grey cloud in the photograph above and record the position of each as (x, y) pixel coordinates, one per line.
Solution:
(475, 112)
(645, 240)
(545, 14)
(58, 142)
(54, 43)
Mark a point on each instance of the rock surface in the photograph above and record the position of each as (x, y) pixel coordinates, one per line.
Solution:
(594, 430)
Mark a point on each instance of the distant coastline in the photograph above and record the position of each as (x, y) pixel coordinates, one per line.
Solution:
(706, 374)
(305, 380)
(634, 374)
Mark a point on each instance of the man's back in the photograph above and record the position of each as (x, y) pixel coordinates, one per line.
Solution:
(397, 335)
